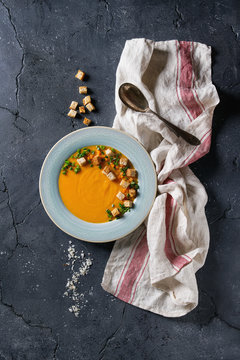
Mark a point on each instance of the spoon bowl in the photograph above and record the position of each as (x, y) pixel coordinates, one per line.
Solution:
(132, 97)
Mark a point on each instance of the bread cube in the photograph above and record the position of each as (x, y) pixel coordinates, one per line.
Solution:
(73, 105)
(80, 75)
(86, 100)
(72, 113)
(82, 90)
(82, 161)
(132, 192)
(82, 109)
(90, 107)
(123, 161)
(128, 203)
(124, 184)
(120, 195)
(131, 172)
(106, 170)
(86, 121)
(109, 152)
(115, 212)
(111, 176)
(96, 160)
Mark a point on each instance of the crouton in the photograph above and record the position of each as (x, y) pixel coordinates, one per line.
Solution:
(128, 203)
(80, 75)
(109, 152)
(132, 192)
(131, 172)
(123, 161)
(73, 105)
(124, 184)
(120, 195)
(115, 212)
(111, 176)
(82, 161)
(90, 107)
(106, 170)
(72, 113)
(86, 121)
(82, 90)
(86, 100)
(96, 160)
(82, 109)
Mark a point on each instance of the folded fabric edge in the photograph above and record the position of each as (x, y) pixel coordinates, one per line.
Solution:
(172, 314)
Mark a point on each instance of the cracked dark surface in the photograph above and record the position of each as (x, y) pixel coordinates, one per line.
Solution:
(42, 44)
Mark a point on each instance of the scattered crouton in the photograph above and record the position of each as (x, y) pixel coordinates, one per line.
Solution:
(82, 89)
(80, 75)
(73, 105)
(86, 121)
(123, 161)
(86, 100)
(96, 160)
(90, 107)
(72, 113)
(128, 203)
(106, 170)
(111, 176)
(115, 212)
(82, 161)
(124, 184)
(131, 172)
(109, 152)
(120, 195)
(132, 192)
(82, 109)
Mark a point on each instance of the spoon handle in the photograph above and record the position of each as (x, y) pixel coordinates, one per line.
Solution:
(191, 139)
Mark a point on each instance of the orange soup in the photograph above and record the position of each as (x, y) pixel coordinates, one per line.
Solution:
(98, 184)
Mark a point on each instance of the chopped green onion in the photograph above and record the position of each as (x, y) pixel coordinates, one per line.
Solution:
(93, 152)
(64, 172)
(102, 147)
(99, 166)
(91, 165)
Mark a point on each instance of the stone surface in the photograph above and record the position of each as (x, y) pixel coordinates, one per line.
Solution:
(42, 44)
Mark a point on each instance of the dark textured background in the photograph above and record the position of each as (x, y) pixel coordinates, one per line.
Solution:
(42, 44)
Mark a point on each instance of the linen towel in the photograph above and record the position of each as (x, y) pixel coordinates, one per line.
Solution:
(154, 267)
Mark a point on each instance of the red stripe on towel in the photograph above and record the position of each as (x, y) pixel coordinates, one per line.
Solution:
(194, 80)
(126, 264)
(134, 292)
(133, 270)
(177, 84)
(186, 78)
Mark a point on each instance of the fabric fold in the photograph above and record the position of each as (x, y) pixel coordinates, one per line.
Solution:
(154, 267)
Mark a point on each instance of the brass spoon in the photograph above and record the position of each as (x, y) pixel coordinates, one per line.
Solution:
(132, 97)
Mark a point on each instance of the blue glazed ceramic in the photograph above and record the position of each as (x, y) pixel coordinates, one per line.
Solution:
(63, 218)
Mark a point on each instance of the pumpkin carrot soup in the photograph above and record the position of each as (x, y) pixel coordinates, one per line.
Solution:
(98, 184)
